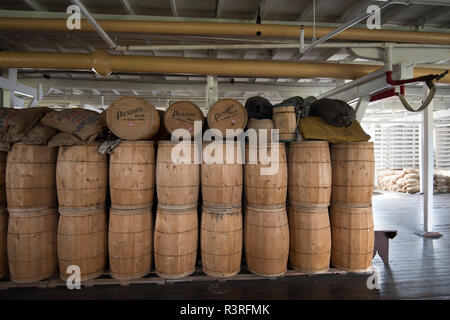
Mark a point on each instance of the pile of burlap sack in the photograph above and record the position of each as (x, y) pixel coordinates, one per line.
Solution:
(50, 127)
(408, 181)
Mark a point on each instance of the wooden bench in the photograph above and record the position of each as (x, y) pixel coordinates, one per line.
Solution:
(382, 243)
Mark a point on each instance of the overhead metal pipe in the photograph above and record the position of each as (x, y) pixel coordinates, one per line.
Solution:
(104, 63)
(225, 29)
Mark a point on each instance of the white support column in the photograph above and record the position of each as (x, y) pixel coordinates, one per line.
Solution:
(428, 164)
(361, 107)
(212, 90)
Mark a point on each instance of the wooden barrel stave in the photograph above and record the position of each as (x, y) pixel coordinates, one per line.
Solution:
(132, 174)
(221, 240)
(82, 241)
(130, 243)
(3, 159)
(31, 244)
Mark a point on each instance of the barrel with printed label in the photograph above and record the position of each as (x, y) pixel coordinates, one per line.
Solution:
(227, 114)
(132, 118)
(182, 115)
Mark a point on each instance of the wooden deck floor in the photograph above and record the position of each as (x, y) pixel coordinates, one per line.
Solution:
(419, 268)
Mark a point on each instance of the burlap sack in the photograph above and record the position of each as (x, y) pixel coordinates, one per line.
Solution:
(412, 182)
(412, 176)
(411, 170)
(85, 124)
(413, 189)
(17, 122)
(64, 139)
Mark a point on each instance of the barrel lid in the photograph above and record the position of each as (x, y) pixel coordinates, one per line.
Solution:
(182, 114)
(132, 118)
(227, 114)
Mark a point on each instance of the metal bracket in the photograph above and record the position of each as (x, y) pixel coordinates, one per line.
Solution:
(10, 84)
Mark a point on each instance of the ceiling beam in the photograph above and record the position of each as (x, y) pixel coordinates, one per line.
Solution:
(394, 11)
(35, 5)
(173, 8)
(430, 16)
(127, 6)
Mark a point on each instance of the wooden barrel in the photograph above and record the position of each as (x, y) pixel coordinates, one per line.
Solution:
(352, 242)
(221, 240)
(32, 244)
(130, 242)
(175, 241)
(310, 238)
(30, 177)
(82, 241)
(177, 183)
(81, 176)
(309, 171)
(284, 121)
(353, 173)
(221, 182)
(3, 156)
(132, 174)
(258, 124)
(3, 247)
(132, 118)
(261, 189)
(227, 114)
(182, 115)
(266, 240)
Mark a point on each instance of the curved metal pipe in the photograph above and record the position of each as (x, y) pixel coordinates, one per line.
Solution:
(104, 63)
(225, 29)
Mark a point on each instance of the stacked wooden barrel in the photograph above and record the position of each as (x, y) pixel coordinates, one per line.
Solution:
(82, 179)
(227, 114)
(33, 218)
(284, 120)
(133, 118)
(351, 206)
(221, 221)
(266, 231)
(309, 198)
(183, 115)
(3, 217)
(132, 187)
(176, 225)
